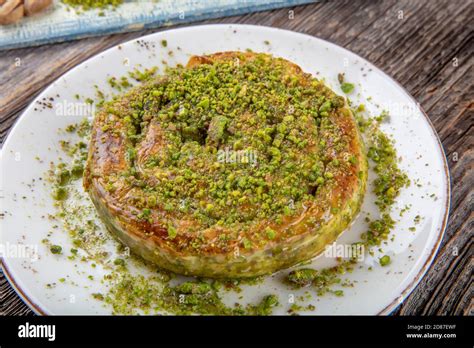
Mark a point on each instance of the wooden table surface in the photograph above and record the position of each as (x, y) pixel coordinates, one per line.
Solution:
(425, 45)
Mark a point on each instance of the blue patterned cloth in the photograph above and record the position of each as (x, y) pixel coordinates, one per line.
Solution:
(62, 23)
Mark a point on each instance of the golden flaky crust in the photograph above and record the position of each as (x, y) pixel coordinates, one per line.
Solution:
(297, 238)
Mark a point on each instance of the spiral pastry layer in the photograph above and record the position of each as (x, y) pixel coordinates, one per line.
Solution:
(237, 165)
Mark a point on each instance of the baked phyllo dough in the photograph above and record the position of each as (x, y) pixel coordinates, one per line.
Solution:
(237, 165)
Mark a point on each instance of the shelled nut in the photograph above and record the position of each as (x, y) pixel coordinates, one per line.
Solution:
(12, 11)
(35, 6)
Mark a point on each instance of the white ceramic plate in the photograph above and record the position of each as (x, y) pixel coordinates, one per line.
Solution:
(376, 291)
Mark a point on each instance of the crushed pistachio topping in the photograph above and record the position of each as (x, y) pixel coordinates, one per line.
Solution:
(86, 5)
(131, 294)
(388, 184)
(241, 142)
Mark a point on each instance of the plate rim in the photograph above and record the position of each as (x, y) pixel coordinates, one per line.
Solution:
(443, 226)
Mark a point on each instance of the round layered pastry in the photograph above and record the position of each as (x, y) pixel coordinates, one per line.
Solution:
(236, 165)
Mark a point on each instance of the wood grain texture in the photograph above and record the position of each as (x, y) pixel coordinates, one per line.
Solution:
(425, 45)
